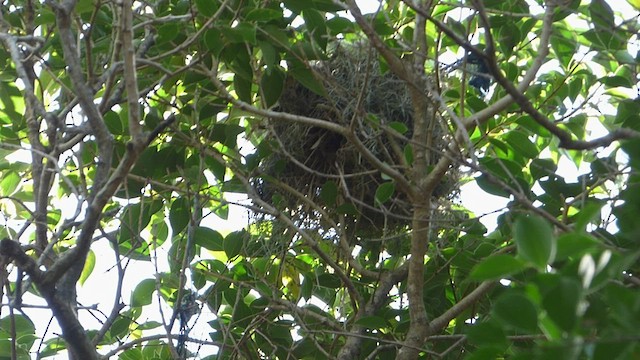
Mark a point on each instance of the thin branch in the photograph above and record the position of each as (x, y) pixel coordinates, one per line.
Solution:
(145, 339)
(117, 299)
(436, 325)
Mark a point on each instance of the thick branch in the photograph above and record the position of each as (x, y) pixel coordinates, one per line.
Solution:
(73, 331)
(130, 77)
(13, 251)
(84, 92)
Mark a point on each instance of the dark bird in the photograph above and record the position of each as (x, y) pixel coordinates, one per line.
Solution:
(480, 77)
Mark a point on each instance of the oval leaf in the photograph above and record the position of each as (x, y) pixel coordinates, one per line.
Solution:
(385, 191)
(208, 238)
(329, 193)
(561, 303)
(517, 311)
(179, 215)
(496, 267)
(141, 296)
(271, 84)
(372, 322)
(535, 240)
(89, 264)
(575, 245)
(233, 243)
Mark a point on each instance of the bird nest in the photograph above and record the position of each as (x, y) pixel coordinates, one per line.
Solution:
(323, 167)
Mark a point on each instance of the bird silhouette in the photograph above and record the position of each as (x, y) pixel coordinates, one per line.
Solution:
(480, 76)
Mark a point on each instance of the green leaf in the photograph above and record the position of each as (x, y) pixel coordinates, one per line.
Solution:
(306, 77)
(564, 45)
(234, 242)
(23, 326)
(149, 325)
(226, 134)
(270, 56)
(207, 8)
(316, 27)
(84, 6)
(9, 183)
(487, 333)
(114, 123)
(242, 86)
(347, 209)
(167, 32)
(589, 213)
(271, 84)
(385, 191)
(574, 245)
(276, 36)
(399, 127)
(52, 347)
(263, 15)
(329, 193)
(496, 267)
(329, 281)
(339, 25)
(521, 144)
(297, 6)
(179, 215)
(89, 264)
(242, 33)
(617, 81)
(120, 327)
(217, 168)
(601, 15)
(142, 294)
(131, 354)
(634, 3)
(372, 322)
(509, 171)
(517, 311)
(408, 154)
(561, 303)
(6, 348)
(535, 240)
(208, 238)
(132, 222)
(540, 168)
(490, 187)
(214, 41)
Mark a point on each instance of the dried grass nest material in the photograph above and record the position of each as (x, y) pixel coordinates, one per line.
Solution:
(305, 158)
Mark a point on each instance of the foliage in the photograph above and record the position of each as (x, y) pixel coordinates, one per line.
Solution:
(128, 132)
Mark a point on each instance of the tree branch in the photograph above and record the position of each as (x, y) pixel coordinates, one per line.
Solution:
(83, 91)
(130, 74)
(443, 320)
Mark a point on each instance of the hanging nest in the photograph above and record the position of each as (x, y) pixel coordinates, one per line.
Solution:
(326, 168)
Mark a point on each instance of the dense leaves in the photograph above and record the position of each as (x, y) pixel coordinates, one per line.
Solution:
(313, 180)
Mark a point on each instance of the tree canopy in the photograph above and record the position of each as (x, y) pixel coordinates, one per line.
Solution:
(350, 134)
